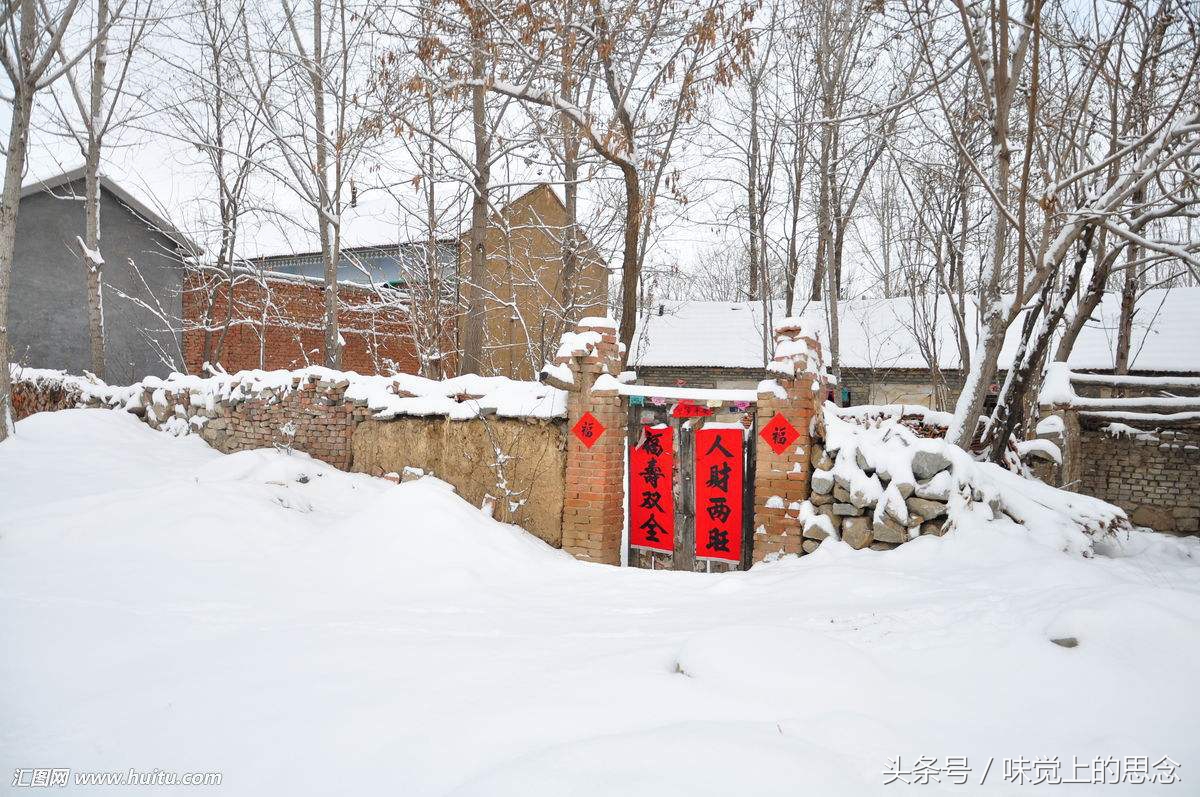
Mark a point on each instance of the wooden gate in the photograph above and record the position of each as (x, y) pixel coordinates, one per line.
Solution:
(663, 525)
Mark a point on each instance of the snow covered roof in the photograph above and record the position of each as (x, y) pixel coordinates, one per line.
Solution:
(131, 201)
(883, 333)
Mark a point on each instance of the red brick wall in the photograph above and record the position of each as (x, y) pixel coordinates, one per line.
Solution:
(594, 508)
(785, 475)
(294, 327)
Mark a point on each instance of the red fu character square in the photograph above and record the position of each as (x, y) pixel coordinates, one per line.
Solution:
(779, 433)
(588, 429)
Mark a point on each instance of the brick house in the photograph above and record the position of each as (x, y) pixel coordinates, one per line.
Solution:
(524, 299)
(277, 321)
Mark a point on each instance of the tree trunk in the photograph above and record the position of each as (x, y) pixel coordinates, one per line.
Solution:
(1032, 352)
(631, 271)
(752, 157)
(473, 332)
(571, 144)
(14, 166)
(993, 318)
(93, 262)
(1129, 292)
(333, 347)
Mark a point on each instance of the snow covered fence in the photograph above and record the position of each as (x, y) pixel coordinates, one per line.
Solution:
(498, 441)
(883, 476)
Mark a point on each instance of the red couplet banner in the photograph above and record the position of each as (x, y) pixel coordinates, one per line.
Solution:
(719, 494)
(651, 504)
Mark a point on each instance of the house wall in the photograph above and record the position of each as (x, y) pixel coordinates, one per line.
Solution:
(377, 339)
(524, 268)
(47, 312)
(866, 386)
(701, 376)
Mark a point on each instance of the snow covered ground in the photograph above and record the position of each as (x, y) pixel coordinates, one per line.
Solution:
(305, 631)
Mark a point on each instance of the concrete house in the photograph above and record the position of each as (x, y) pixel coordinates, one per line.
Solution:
(143, 267)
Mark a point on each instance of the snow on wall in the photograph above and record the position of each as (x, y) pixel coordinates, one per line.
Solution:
(461, 398)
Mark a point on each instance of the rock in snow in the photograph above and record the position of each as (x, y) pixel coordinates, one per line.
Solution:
(927, 464)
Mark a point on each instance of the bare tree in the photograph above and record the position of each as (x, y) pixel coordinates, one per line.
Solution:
(98, 102)
(1076, 172)
(654, 58)
(315, 118)
(33, 37)
(218, 111)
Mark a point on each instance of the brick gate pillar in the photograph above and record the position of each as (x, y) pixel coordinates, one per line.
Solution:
(594, 507)
(796, 392)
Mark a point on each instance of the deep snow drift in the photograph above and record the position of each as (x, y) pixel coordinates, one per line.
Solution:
(306, 631)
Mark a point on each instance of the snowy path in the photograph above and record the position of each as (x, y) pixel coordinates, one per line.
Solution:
(166, 606)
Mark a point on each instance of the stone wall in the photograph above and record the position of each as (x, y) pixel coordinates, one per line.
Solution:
(1153, 476)
(312, 416)
(919, 506)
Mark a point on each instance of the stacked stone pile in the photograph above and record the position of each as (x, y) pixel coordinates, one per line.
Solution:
(869, 507)
(878, 485)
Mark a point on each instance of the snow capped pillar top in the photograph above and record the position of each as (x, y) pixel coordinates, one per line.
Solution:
(597, 323)
(797, 350)
(591, 349)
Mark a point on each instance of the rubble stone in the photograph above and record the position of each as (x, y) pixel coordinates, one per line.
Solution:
(813, 531)
(927, 464)
(888, 530)
(933, 528)
(856, 532)
(926, 508)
